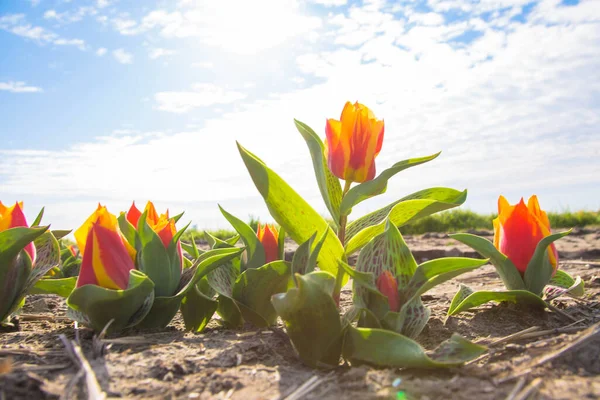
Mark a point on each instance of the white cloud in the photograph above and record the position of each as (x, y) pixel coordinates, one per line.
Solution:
(203, 64)
(155, 53)
(203, 95)
(247, 31)
(69, 16)
(102, 3)
(19, 87)
(330, 3)
(123, 56)
(17, 25)
(101, 51)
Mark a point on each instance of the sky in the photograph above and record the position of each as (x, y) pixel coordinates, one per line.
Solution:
(113, 101)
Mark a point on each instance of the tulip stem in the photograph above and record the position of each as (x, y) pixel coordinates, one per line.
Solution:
(341, 234)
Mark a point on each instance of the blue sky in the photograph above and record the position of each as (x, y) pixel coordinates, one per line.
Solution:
(114, 100)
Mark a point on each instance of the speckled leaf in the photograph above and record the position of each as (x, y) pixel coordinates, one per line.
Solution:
(255, 249)
(563, 282)
(463, 292)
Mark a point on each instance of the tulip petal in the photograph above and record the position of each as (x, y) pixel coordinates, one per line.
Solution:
(152, 216)
(133, 215)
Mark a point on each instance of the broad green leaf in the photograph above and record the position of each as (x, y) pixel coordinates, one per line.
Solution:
(378, 185)
(453, 197)
(434, 272)
(513, 296)
(312, 319)
(62, 286)
(539, 269)
(254, 288)
(385, 348)
(197, 309)
(563, 280)
(281, 243)
(505, 268)
(292, 212)
(95, 306)
(301, 256)
(13, 240)
(230, 312)
(329, 184)
(47, 257)
(403, 211)
(255, 249)
(410, 321)
(14, 274)
(153, 260)
(161, 313)
(206, 263)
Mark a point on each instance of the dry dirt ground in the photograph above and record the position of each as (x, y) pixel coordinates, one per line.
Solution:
(250, 364)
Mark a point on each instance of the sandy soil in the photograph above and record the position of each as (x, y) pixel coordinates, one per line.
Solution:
(252, 364)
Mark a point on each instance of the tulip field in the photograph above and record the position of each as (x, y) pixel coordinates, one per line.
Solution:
(309, 307)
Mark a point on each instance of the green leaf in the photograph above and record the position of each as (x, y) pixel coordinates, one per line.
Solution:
(255, 249)
(312, 319)
(401, 212)
(329, 184)
(95, 306)
(378, 185)
(463, 292)
(505, 268)
(292, 212)
(61, 233)
(302, 255)
(128, 230)
(62, 286)
(197, 309)
(411, 319)
(254, 288)
(434, 272)
(513, 296)
(384, 348)
(47, 258)
(539, 269)
(281, 243)
(38, 220)
(230, 312)
(563, 280)
(13, 278)
(161, 313)
(191, 248)
(153, 260)
(177, 217)
(216, 243)
(13, 240)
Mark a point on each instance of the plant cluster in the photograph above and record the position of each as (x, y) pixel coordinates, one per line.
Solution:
(134, 270)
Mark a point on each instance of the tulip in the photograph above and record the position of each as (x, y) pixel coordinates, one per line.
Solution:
(388, 286)
(107, 257)
(13, 217)
(353, 142)
(519, 228)
(268, 237)
(162, 225)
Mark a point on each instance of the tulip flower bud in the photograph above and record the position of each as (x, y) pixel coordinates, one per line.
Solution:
(388, 286)
(268, 237)
(353, 142)
(13, 217)
(519, 228)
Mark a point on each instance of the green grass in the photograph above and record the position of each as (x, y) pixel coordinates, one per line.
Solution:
(448, 221)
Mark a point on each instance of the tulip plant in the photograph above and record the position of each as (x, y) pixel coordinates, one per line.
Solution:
(309, 307)
(26, 254)
(524, 256)
(133, 276)
(244, 286)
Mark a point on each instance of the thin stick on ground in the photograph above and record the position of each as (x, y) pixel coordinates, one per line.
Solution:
(518, 386)
(74, 351)
(529, 390)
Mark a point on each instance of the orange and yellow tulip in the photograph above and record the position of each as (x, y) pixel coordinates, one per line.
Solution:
(107, 257)
(353, 142)
(269, 238)
(519, 228)
(13, 217)
(388, 286)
